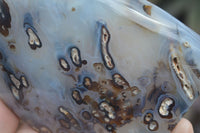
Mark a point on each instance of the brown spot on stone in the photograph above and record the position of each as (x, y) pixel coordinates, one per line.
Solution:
(196, 72)
(135, 90)
(73, 9)
(73, 122)
(108, 107)
(73, 77)
(77, 97)
(147, 9)
(86, 115)
(77, 69)
(65, 124)
(99, 67)
(87, 82)
(120, 81)
(26, 103)
(84, 62)
(12, 47)
(5, 18)
(48, 112)
(38, 111)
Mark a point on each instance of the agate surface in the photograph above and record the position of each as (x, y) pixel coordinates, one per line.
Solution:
(96, 66)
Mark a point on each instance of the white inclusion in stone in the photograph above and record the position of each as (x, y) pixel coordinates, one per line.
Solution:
(15, 92)
(75, 56)
(33, 38)
(165, 107)
(153, 125)
(64, 64)
(24, 81)
(105, 38)
(15, 81)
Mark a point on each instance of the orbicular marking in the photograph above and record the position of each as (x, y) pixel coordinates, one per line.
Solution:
(186, 45)
(15, 81)
(104, 42)
(87, 82)
(66, 113)
(166, 107)
(148, 118)
(135, 90)
(18, 95)
(64, 64)
(24, 81)
(110, 128)
(5, 18)
(77, 97)
(75, 56)
(33, 39)
(12, 47)
(109, 110)
(153, 125)
(99, 68)
(70, 118)
(86, 115)
(120, 81)
(180, 73)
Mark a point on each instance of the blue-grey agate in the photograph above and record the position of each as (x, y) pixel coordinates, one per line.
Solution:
(96, 66)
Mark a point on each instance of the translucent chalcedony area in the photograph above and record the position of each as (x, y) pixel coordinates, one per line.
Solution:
(96, 66)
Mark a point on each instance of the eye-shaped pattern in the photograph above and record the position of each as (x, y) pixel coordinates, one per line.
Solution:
(75, 56)
(104, 42)
(33, 39)
(148, 118)
(24, 81)
(64, 64)
(181, 75)
(120, 81)
(70, 120)
(77, 97)
(166, 107)
(18, 95)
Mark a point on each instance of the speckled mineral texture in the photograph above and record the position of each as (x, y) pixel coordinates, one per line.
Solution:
(96, 66)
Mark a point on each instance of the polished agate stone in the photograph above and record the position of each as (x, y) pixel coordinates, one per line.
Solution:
(96, 66)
